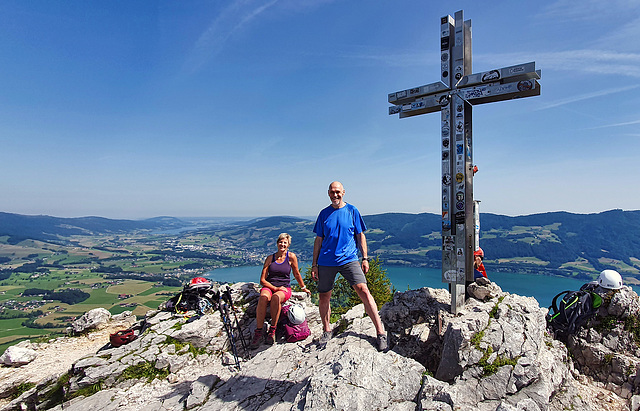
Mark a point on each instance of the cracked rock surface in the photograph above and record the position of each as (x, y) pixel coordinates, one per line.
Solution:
(494, 355)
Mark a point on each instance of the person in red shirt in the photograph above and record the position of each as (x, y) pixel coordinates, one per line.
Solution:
(478, 267)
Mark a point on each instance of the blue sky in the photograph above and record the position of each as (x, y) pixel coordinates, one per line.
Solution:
(251, 108)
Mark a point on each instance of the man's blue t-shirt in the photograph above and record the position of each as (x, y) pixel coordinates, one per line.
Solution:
(338, 227)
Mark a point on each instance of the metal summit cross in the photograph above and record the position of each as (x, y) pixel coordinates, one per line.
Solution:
(455, 93)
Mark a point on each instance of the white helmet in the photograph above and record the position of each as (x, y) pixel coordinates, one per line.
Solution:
(610, 279)
(296, 314)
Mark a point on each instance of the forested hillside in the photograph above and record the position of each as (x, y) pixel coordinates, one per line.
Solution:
(19, 227)
(559, 242)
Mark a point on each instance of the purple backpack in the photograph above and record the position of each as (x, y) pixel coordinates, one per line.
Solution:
(293, 332)
(297, 332)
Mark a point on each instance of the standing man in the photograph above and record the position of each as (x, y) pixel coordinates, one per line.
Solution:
(339, 234)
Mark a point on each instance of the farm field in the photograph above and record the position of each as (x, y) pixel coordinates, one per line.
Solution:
(142, 296)
(119, 273)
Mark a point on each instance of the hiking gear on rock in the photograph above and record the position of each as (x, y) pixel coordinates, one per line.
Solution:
(122, 337)
(610, 279)
(293, 324)
(382, 342)
(572, 312)
(257, 339)
(296, 332)
(296, 314)
(197, 295)
(200, 282)
(233, 330)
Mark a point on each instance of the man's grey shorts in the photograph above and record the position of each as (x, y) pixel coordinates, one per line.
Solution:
(352, 272)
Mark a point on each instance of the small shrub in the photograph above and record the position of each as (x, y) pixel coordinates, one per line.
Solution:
(144, 370)
(632, 325)
(607, 323)
(476, 338)
(180, 345)
(492, 368)
(56, 394)
(608, 358)
(88, 390)
(494, 310)
(177, 343)
(42, 339)
(21, 389)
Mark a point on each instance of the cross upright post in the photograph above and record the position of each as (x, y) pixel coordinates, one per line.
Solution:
(454, 95)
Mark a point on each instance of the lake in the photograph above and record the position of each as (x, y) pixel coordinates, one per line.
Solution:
(543, 288)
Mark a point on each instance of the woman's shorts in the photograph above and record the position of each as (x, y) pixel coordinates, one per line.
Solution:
(352, 272)
(287, 295)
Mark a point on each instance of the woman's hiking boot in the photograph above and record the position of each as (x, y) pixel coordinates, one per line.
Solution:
(257, 339)
(271, 336)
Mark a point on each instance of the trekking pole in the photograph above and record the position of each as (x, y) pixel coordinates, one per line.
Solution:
(227, 295)
(224, 314)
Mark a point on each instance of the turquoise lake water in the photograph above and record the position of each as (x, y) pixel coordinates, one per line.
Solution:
(543, 288)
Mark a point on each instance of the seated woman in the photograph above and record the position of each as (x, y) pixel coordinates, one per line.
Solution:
(276, 287)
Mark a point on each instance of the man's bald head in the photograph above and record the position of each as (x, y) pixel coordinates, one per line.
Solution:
(336, 191)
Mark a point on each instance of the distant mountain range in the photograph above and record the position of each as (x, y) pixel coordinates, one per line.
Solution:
(558, 242)
(20, 227)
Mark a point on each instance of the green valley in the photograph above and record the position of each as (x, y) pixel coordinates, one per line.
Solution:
(53, 269)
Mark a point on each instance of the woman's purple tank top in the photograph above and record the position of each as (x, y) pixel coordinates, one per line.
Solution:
(279, 274)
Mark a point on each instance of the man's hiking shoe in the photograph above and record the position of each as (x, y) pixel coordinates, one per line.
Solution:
(382, 342)
(257, 339)
(326, 336)
(271, 336)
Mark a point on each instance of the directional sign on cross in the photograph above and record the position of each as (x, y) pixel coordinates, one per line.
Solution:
(454, 95)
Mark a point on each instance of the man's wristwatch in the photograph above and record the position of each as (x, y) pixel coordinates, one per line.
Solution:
(365, 258)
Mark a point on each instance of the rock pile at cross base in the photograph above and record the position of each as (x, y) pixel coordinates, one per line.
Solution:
(494, 355)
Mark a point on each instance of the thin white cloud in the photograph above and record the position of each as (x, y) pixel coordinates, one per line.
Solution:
(579, 61)
(232, 19)
(626, 123)
(587, 96)
(368, 56)
(588, 10)
(625, 36)
(253, 14)
(589, 61)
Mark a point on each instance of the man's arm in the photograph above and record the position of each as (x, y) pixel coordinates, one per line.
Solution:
(317, 245)
(361, 240)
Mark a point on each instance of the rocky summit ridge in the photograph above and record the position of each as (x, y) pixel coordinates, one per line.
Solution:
(496, 354)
